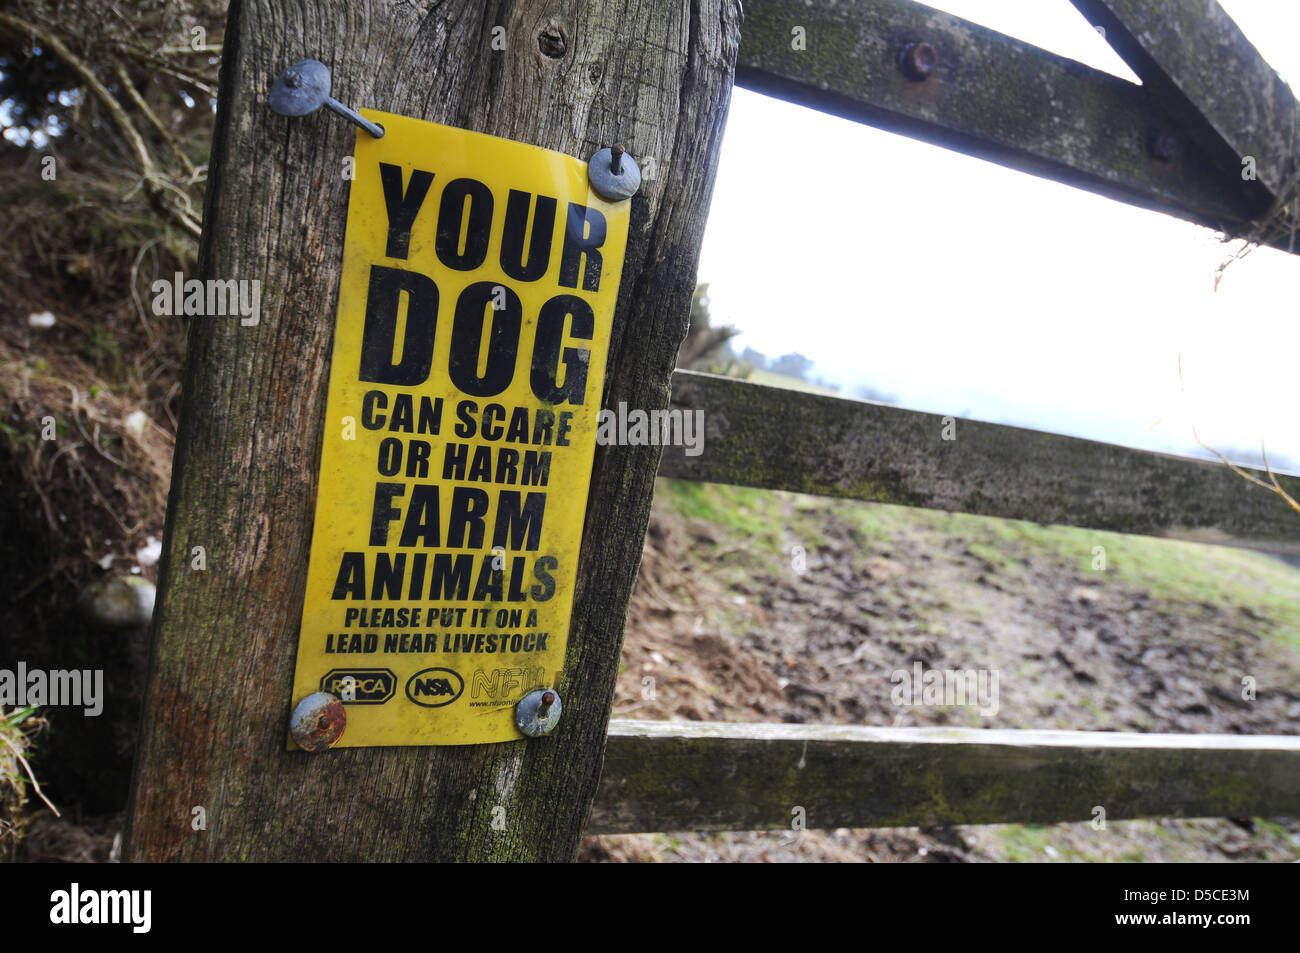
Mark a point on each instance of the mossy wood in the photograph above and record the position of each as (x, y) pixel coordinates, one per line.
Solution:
(1202, 69)
(574, 76)
(996, 98)
(780, 439)
(687, 776)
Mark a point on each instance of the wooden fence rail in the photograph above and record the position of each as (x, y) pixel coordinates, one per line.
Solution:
(996, 98)
(780, 439)
(679, 776)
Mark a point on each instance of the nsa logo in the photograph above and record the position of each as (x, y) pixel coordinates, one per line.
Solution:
(434, 687)
(360, 686)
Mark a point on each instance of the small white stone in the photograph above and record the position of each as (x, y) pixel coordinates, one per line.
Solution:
(41, 319)
(135, 423)
(119, 602)
(150, 553)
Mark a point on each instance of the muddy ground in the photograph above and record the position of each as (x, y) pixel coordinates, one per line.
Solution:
(733, 626)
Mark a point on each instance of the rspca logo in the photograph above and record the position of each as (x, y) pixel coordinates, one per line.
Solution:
(434, 687)
(360, 686)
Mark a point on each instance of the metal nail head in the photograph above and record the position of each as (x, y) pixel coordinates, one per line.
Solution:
(318, 721)
(613, 174)
(917, 61)
(1163, 145)
(538, 712)
(305, 87)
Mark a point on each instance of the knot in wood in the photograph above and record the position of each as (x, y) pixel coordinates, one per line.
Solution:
(551, 42)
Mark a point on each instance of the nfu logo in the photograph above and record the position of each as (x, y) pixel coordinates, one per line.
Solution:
(360, 686)
(434, 687)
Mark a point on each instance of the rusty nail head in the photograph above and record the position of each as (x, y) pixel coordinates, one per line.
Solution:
(1163, 145)
(538, 712)
(318, 721)
(918, 60)
(544, 705)
(616, 160)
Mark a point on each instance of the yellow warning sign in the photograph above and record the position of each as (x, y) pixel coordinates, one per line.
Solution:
(475, 310)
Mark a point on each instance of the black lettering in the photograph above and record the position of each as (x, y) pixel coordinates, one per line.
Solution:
(481, 467)
(467, 338)
(390, 457)
(417, 576)
(451, 219)
(402, 206)
(507, 466)
(579, 242)
(422, 517)
(368, 406)
(492, 415)
(542, 569)
(537, 468)
(403, 414)
(351, 580)
(518, 432)
(515, 522)
(417, 459)
(451, 576)
(512, 238)
(490, 584)
(383, 512)
(468, 508)
(430, 415)
(516, 593)
(542, 425)
(465, 412)
(387, 581)
(453, 461)
(546, 352)
(383, 299)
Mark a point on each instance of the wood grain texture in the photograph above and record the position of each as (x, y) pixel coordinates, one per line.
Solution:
(990, 96)
(656, 77)
(779, 439)
(687, 776)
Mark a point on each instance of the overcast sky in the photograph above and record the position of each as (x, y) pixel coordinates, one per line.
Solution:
(962, 287)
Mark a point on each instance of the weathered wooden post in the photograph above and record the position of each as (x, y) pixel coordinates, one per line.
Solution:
(568, 76)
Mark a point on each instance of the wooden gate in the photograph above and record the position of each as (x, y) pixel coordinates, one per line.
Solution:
(574, 76)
